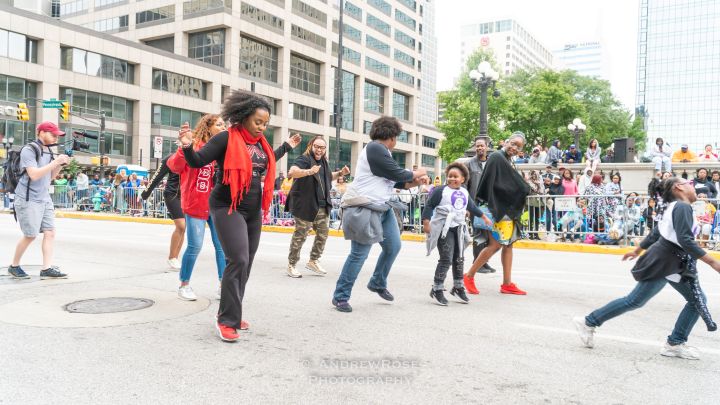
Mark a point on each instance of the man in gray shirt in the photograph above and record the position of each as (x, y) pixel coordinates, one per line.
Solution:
(33, 206)
(475, 166)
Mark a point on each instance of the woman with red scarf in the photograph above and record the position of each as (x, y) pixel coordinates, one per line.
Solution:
(244, 187)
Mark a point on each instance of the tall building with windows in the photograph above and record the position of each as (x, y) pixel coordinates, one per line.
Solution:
(152, 65)
(678, 72)
(513, 46)
(586, 58)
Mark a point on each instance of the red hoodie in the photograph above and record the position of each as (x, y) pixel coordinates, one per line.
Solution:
(195, 184)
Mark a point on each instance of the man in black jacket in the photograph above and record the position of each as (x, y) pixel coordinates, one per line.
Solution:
(475, 166)
(310, 204)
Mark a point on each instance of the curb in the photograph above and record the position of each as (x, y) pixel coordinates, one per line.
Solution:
(522, 244)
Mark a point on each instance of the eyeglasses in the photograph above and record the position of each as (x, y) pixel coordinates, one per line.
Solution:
(319, 147)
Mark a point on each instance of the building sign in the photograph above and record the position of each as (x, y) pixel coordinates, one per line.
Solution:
(485, 41)
(8, 111)
(158, 147)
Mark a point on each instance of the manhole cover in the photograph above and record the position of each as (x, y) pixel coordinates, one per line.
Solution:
(108, 305)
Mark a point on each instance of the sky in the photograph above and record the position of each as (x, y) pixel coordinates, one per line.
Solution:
(554, 23)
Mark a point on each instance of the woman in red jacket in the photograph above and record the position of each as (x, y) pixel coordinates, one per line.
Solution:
(195, 187)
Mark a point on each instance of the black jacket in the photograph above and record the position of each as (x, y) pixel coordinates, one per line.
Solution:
(307, 192)
(502, 187)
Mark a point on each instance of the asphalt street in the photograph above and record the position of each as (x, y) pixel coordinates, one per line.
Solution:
(498, 349)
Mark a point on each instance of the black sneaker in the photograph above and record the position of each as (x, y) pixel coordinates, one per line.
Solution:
(18, 273)
(486, 269)
(383, 293)
(439, 297)
(342, 306)
(52, 273)
(460, 294)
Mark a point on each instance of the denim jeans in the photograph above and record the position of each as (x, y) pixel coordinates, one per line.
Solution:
(641, 294)
(359, 253)
(195, 229)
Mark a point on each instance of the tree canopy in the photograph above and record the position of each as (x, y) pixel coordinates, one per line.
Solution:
(541, 103)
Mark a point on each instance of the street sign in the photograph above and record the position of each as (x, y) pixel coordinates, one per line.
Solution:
(157, 147)
(52, 103)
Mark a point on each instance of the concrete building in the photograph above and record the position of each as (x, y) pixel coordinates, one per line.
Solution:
(678, 72)
(152, 65)
(586, 58)
(513, 46)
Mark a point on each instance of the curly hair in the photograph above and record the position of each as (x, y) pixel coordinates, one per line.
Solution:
(459, 166)
(241, 104)
(202, 129)
(385, 128)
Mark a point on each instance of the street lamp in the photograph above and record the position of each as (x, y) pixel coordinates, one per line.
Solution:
(484, 77)
(7, 144)
(577, 128)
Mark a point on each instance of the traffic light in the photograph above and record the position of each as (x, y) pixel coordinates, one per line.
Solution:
(23, 114)
(65, 111)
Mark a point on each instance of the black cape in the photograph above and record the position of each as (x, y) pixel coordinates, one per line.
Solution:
(502, 187)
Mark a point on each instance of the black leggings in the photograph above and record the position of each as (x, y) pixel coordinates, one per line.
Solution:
(239, 234)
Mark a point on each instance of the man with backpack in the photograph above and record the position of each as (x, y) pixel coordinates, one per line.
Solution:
(29, 174)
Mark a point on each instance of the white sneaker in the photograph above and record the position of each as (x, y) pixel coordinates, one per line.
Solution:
(314, 265)
(587, 333)
(186, 293)
(292, 272)
(174, 263)
(682, 351)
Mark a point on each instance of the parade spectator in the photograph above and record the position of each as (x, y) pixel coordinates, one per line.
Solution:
(569, 184)
(703, 185)
(475, 166)
(520, 158)
(684, 155)
(660, 155)
(704, 212)
(715, 180)
(535, 204)
(548, 174)
(572, 155)
(309, 202)
(597, 205)
(286, 185)
(609, 156)
(34, 210)
(653, 187)
(535, 156)
(118, 195)
(650, 214)
(592, 154)
(368, 216)
(279, 180)
(60, 184)
(555, 189)
(584, 180)
(340, 185)
(82, 184)
(614, 188)
(708, 155)
(554, 155)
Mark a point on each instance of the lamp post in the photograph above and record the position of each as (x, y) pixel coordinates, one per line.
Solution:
(484, 77)
(7, 144)
(577, 128)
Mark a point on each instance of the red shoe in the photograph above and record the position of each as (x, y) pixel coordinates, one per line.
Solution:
(470, 285)
(226, 333)
(511, 289)
(244, 325)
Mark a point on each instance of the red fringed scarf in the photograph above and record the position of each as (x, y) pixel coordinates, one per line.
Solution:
(237, 169)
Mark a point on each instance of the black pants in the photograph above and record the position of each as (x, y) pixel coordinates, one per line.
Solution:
(239, 234)
(451, 254)
(535, 213)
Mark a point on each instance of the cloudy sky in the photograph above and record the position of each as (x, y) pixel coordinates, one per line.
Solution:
(554, 23)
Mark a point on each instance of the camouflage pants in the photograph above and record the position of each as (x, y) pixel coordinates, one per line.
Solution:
(302, 227)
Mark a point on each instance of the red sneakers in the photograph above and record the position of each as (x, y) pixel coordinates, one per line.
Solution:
(470, 285)
(511, 289)
(244, 325)
(226, 333)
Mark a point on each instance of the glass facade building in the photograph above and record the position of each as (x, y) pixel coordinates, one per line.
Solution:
(678, 78)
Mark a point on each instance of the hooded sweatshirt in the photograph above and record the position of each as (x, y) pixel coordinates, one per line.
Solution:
(195, 184)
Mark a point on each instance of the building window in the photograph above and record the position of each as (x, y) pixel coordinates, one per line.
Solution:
(90, 103)
(198, 6)
(254, 14)
(377, 45)
(95, 64)
(174, 117)
(399, 158)
(349, 32)
(73, 7)
(374, 98)
(104, 3)
(353, 11)
(377, 24)
(166, 44)
(429, 142)
(377, 66)
(208, 47)
(309, 13)
(381, 5)
(179, 84)
(258, 60)
(305, 113)
(113, 24)
(428, 160)
(309, 37)
(411, 4)
(401, 106)
(155, 14)
(18, 46)
(403, 136)
(15, 89)
(348, 54)
(367, 126)
(405, 39)
(345, 152)
(304, 74)
(403, 77)
(348, 100)
(405, 19)
(404, 58)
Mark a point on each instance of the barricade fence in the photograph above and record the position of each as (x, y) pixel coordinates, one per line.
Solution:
(593, 219)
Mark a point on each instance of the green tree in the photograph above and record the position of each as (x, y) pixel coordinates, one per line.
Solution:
(72, 168)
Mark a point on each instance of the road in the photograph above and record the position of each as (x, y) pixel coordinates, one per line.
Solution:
(498, 349)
